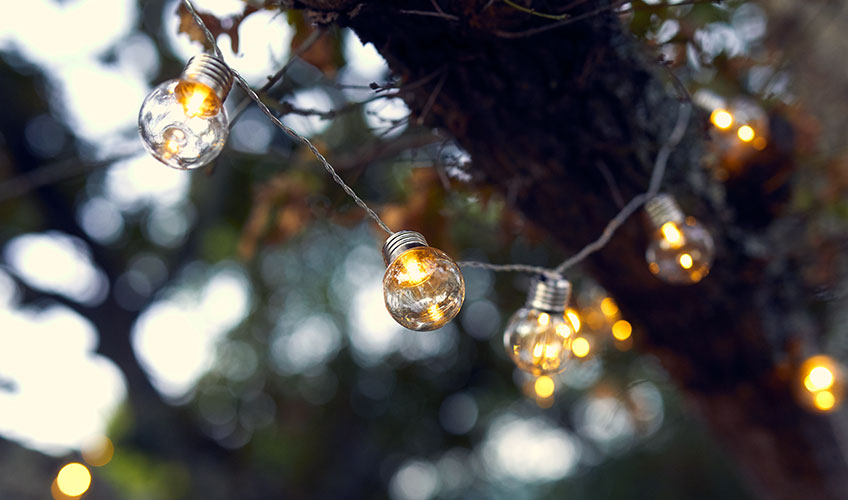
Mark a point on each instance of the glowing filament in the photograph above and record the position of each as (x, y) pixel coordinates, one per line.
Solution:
(434, 313)
(672, 234)
(197, 99)
(573, 318)
(745, 133)
(721, 118)
(685, 261)
(414, 272)
(543, 319)
(819, 379)
(563, 330)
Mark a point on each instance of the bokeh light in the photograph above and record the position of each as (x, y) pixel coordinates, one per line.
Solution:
(544, 386)
(820, 383)
(745, 133)
(621, 330)
(99, 452)
(721, 118)
(580, 347)
(73, 479)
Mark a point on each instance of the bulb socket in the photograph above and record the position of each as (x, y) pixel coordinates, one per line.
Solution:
(400, 242)
(208, 70)
(549, 294)
(663, 208)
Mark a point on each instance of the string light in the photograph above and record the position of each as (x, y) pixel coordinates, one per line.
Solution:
(183, 122)
(544, 387)
(681, 251)
(538, 337)
(721, 118)
(821, 383)
(423, 288)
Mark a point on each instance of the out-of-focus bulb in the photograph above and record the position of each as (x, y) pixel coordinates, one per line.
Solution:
(423, 288)
(821, 383)
(538, 336)
(721, 118)
(183, 122)
(681, 251)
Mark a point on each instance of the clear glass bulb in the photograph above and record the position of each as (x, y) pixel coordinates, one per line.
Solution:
(681, 254)
(423, 288)
(183, 122)
(538, 342)
(681, 250)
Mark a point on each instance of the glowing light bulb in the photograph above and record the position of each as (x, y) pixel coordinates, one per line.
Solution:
(73, 479)
(821, 383)
(538, 336)
(745, 133)
(423, 288)
(182, 122)
(681, 251)
(721, 118)
(573, 318)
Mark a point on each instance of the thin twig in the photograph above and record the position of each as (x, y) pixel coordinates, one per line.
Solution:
(534, 12)
(428, 13)
(432, 99)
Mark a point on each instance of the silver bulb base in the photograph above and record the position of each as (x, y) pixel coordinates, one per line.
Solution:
(663, 208)
(549, 294)
(208, 70)
(400, 242)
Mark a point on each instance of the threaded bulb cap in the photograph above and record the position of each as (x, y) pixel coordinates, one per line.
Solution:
(663, 208)
(400, 242)
(208, 70)
(549, 294)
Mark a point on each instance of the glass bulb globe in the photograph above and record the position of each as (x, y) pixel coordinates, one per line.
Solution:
(538, 336)
(538, 342)
(423, 288)
(681, 250)
(182, 122)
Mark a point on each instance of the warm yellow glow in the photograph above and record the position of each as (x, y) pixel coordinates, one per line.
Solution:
(609, 307)
(672, 234)
(544, 387)
(820, 378)
(760, 143)
(434, 313)
(721, 118)
(172, 146)
(563, 330)
(580, 347)
(543, 319)
(745, 133)
(573, 318)
(197, 99)
(824, 400)
(621, 330)
(99, 453)
(413, 271)
(73, 479)
(685, 261)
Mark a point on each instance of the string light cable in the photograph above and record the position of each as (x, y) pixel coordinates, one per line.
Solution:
(424, 288)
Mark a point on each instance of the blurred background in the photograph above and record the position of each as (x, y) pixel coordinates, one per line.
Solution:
(222, 333)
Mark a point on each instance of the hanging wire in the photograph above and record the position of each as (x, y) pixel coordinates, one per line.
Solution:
(290, 132)
(635, 203)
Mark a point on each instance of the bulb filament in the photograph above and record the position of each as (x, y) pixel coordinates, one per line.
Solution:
(672, 234)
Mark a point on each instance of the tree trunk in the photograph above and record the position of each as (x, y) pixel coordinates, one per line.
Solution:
(543, 114)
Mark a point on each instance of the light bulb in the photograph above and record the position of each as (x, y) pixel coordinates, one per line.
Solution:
(423, 288)
(182, 122)
(821, 383)
(538, 336)
(681, 250)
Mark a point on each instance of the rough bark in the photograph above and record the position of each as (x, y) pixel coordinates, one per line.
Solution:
(541, 116)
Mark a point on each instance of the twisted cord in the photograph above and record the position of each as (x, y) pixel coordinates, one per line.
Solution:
(506, 268)
(290, 132)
